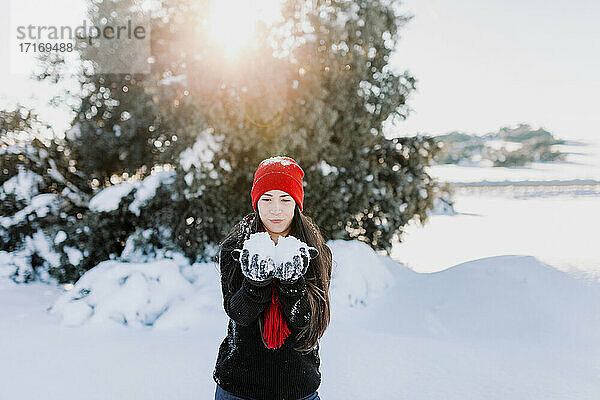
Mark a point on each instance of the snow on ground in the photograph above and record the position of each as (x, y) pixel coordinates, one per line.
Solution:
(546, 210)
(559, 228)
(495, 328)
(489, 303)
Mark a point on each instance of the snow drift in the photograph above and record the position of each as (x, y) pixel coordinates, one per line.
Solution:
(497, 299)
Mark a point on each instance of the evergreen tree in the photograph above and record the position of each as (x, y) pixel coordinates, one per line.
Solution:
(316, 86)
(40, 192)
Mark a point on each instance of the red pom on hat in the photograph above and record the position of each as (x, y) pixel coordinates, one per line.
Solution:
(279, 173)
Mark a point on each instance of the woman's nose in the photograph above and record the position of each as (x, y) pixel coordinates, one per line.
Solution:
(276, 207)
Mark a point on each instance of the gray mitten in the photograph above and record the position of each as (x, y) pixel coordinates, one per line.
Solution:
(295, 265)
(256, 257)
(253, 266)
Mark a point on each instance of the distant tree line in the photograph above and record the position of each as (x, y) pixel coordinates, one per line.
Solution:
(535, 145)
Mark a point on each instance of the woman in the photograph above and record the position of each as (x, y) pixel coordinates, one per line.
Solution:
(276, 315)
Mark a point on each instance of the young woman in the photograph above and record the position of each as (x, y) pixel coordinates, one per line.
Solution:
(276, 315)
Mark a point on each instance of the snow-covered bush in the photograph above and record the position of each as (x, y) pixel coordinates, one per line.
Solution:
(170, 292)
(443, 205)
(53, 224)
(125, 293)
(38, 195)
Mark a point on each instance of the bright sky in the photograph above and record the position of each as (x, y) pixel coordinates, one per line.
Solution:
(483, 65)
(479, 65)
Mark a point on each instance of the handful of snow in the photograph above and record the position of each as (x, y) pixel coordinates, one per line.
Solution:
(287, 247)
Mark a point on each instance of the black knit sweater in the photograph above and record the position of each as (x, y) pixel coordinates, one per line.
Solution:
(245, 366)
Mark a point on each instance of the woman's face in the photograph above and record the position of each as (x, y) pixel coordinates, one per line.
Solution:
(276, 210)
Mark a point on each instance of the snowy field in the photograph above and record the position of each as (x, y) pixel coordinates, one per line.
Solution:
(495, 328)
(489, 303)
(558, 226)
(546, 210)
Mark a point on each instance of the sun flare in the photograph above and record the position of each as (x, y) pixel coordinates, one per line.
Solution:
(232, 23)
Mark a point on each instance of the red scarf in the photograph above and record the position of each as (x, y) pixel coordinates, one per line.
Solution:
(275, 328)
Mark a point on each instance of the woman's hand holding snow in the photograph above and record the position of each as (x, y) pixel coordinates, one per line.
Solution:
(294, 257)
(261, 259)
(255, 267)
(256, 257)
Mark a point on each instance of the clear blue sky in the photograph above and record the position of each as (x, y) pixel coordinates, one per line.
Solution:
(479, 65)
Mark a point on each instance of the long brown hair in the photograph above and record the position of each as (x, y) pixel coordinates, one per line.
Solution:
(317, 276)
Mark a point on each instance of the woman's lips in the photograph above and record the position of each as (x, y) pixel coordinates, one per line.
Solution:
(276, 220)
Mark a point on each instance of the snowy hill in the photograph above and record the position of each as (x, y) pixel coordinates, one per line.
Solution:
(504, 298)
(495, 328)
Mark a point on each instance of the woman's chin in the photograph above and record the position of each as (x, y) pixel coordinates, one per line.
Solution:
(276, 229)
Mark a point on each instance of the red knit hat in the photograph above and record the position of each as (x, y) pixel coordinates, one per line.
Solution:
(281, 173)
